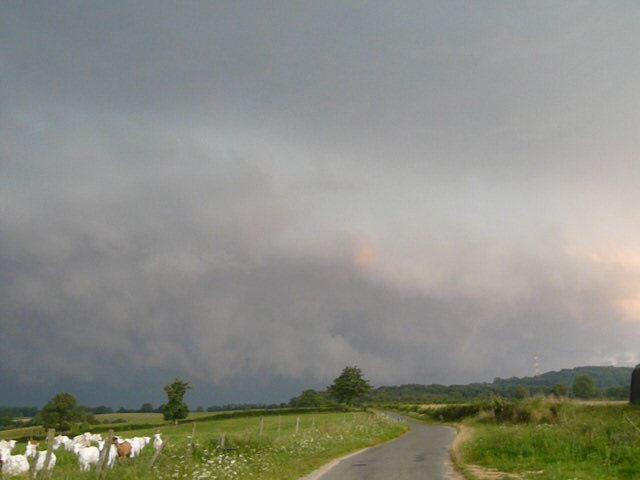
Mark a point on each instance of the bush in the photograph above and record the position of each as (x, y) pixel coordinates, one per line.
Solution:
(455, 413)
(536, 410)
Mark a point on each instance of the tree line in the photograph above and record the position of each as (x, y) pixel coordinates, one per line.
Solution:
(581, 382)
(349, 388)
(63, 412)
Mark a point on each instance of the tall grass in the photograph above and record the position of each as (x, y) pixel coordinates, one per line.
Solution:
(265, 448)
(557, 440)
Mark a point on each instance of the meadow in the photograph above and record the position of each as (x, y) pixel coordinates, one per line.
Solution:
(543, 439)
(269, 448)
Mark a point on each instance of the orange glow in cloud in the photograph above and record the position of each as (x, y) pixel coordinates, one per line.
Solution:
(627, 260)
(630, 308)
(365, 254)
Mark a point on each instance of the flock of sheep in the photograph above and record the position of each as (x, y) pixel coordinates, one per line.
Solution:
(86, 447)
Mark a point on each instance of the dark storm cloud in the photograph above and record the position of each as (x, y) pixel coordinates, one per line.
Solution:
(257, 194)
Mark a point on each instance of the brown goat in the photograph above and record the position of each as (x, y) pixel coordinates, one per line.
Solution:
(124, 448)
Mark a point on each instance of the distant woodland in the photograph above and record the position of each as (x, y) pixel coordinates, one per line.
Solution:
(610, 383)
(606, 383)
(602, 383)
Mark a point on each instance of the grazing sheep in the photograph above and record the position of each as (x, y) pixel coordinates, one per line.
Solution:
(80, 440)
(7, 445)
(93, 437)
(87, 456)
(113, 453)
(63, 440)
(31, 449)
(137, 444)
(40, 456)
(157, 442)
(12, 464)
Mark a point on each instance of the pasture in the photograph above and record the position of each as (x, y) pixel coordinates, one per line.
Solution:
(269, 448)
(139, 418)
(543, 439)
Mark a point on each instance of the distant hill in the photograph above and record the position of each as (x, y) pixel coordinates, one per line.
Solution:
(605, 377)
(613, 383)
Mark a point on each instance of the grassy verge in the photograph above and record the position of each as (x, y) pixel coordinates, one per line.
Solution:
(267, 448)
(543, 439)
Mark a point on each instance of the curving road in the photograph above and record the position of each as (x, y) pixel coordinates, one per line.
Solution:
(422, 453)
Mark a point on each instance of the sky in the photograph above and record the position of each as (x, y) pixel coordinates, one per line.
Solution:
(250, 196)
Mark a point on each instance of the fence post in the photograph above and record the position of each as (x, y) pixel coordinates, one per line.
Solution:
(261, 426)
(51, 433)
(297, 425)
(223, 438)
(193, 440)
(104, 455)
(157, 454)
(32, 473)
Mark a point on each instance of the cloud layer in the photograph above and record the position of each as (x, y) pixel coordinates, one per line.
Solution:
(253, 198)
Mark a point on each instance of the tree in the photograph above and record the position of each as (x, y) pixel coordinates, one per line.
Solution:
(584, 386)
(102, 409)
(309, 398)
(559, 390)
(617, 393)
(349, 386)
(61, 411)
(522, 392)
(175, 408)
(146, 408)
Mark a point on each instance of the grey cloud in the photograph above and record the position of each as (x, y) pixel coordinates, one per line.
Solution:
(177, 285)
(242, 194)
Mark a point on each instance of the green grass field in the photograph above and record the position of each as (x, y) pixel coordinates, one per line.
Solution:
(266, 448)
(545, 440)
(142, 417)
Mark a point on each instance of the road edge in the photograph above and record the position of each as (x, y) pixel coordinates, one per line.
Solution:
(317, 473)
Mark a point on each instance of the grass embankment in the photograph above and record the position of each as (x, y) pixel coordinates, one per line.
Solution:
(545, 440)
(268, 452)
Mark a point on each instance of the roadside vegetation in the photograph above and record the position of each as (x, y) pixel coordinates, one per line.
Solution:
(269, 448)
(266, 444)
(543, 439)
(518, 430)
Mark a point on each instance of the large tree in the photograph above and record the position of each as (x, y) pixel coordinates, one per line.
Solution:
(61, 412)
(584, 386)
(176, 408)
(349, 386)
(309, 398)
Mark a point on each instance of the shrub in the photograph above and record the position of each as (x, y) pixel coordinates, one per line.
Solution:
(454, 413)
(536, 410)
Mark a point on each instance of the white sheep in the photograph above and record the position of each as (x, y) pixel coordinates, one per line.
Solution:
(13, 464)
(157, 441)
(40, 456)
(113, 453)
(7, 445)
(93, 437)
(31, 449)
(62, 440)
(80, 440)
(87, 456)
(137, 444)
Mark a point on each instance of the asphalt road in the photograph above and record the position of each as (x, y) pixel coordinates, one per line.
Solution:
(423, 453)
